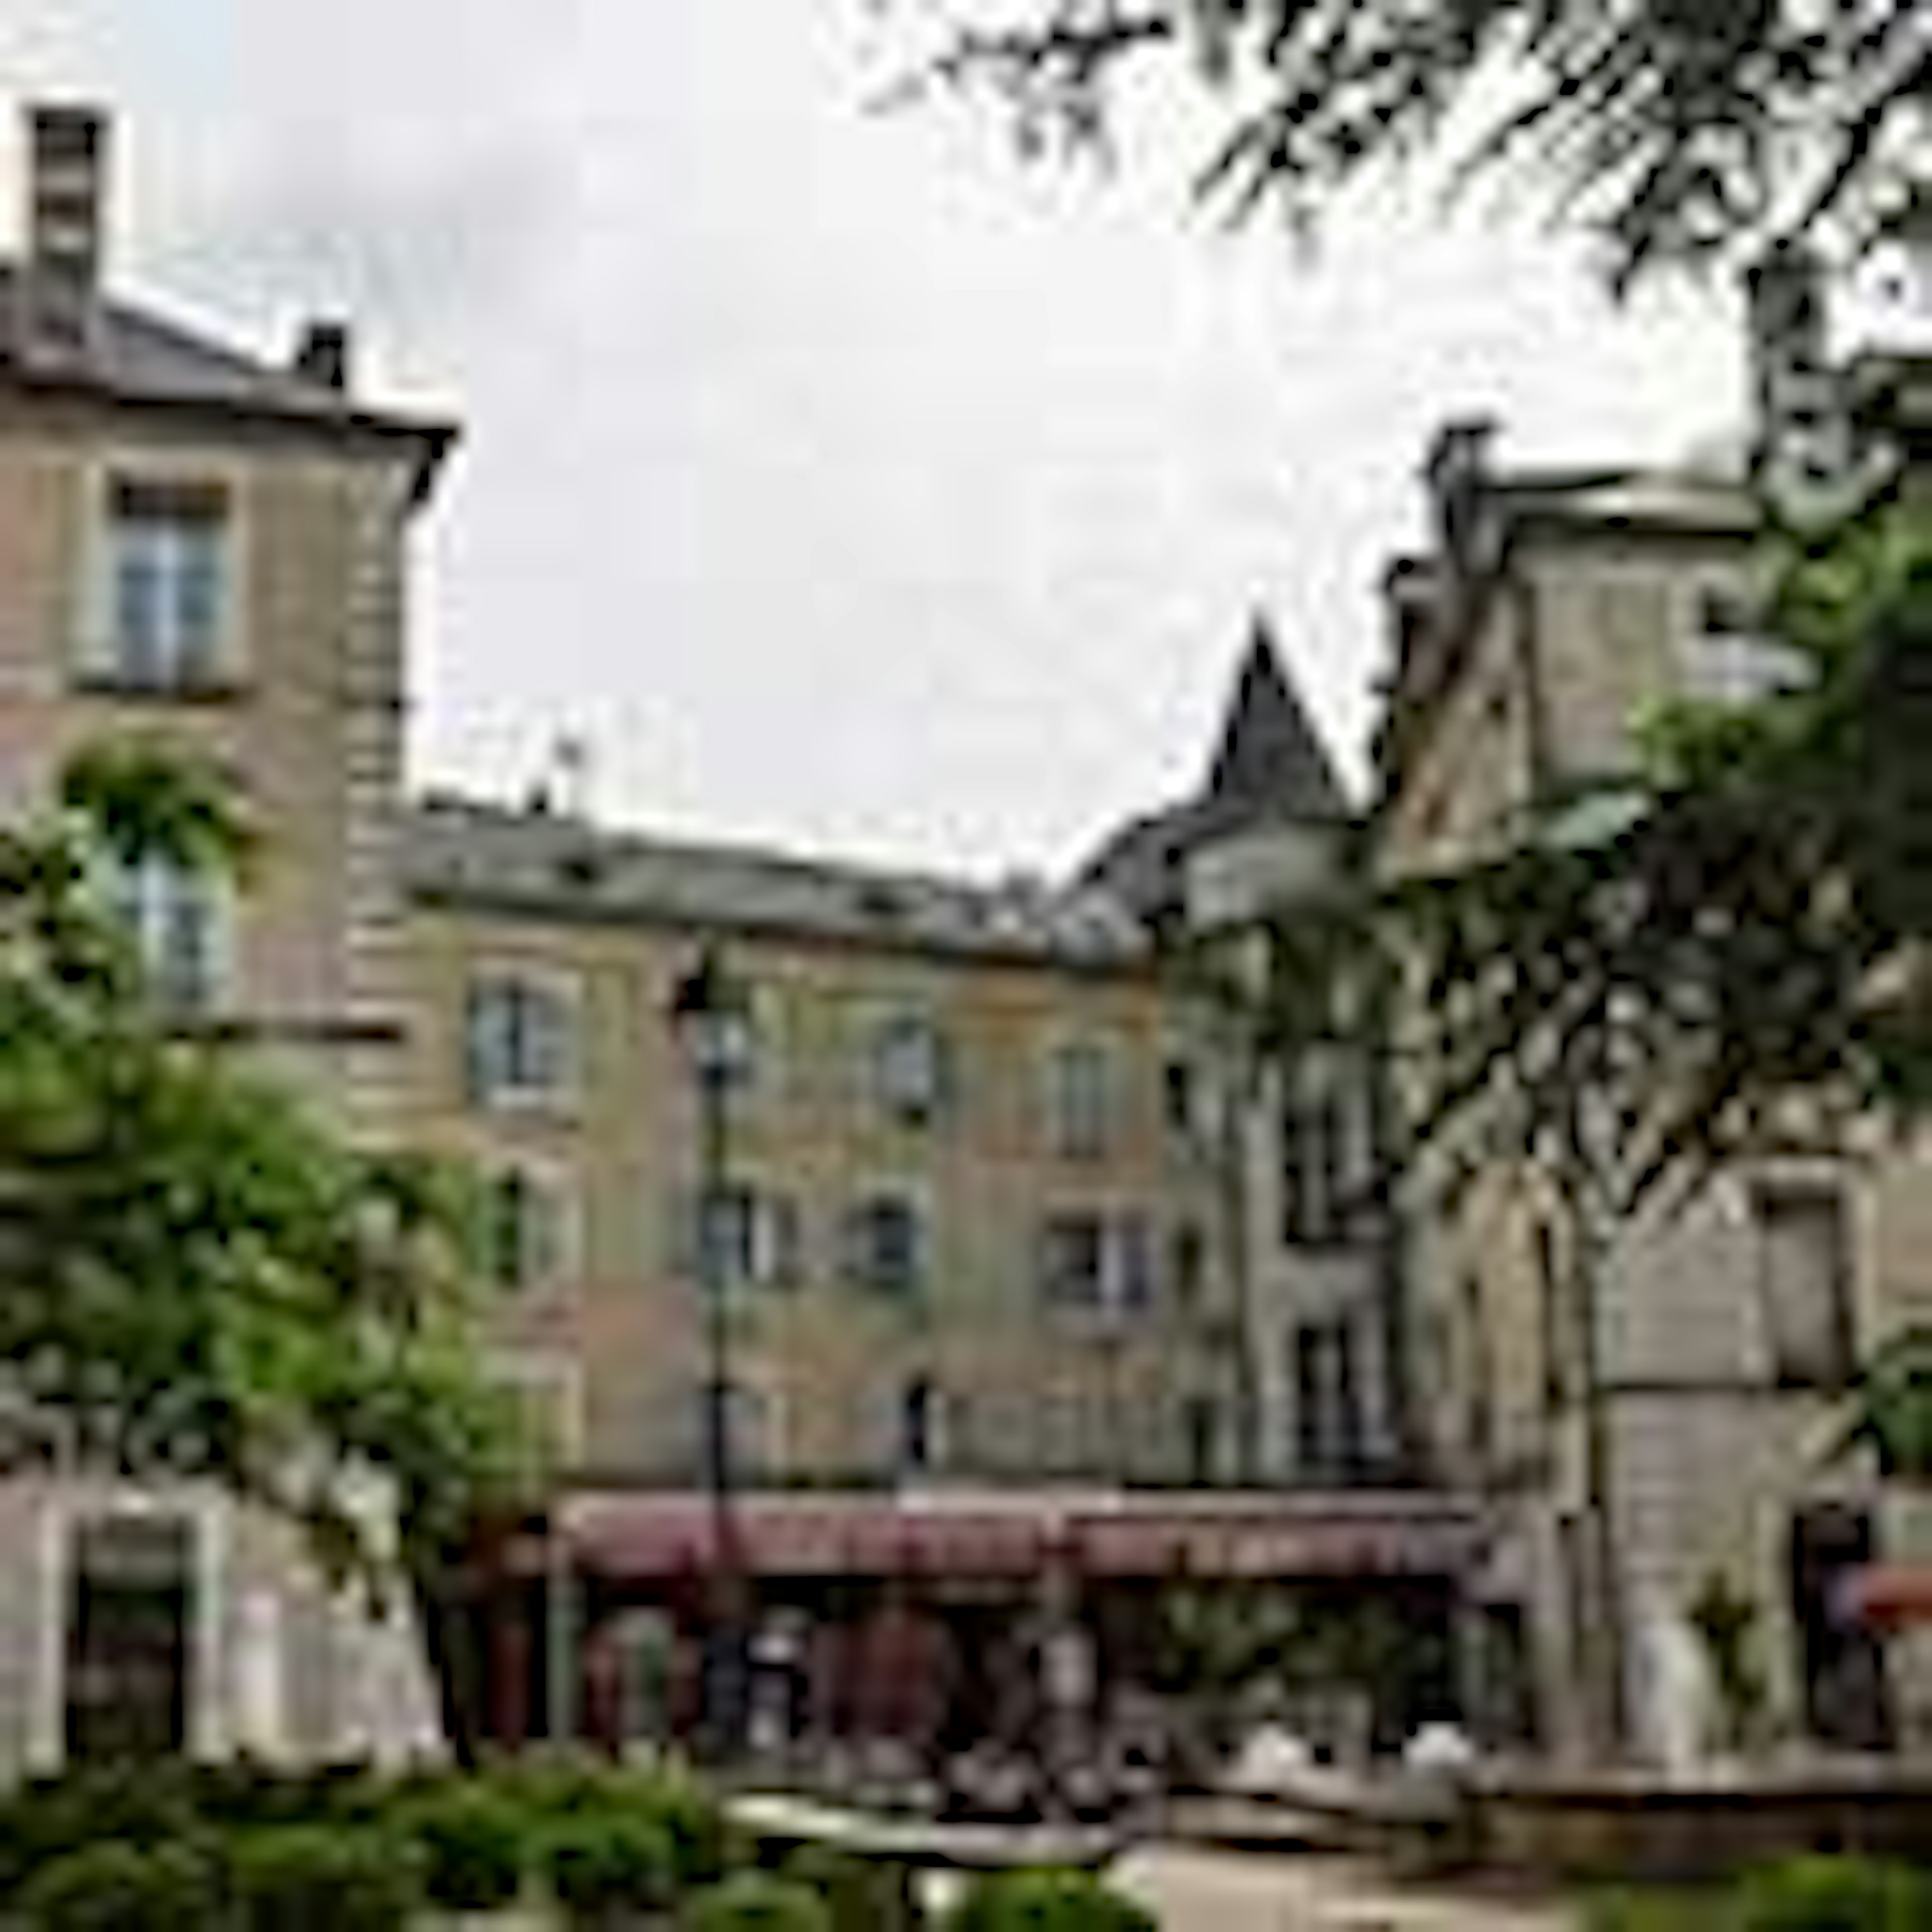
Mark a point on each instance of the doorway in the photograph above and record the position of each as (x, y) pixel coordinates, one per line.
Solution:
(130, 1612)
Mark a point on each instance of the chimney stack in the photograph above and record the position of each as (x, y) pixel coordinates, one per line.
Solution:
(67, 172)
(322, 355)
(1803, 456)
(1456, 470)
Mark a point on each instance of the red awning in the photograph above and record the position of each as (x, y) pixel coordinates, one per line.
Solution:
(1887, 1594)
(658, 1536)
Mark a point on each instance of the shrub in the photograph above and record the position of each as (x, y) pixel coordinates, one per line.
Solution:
(318, 1878)
(473, 1842)
(701, 1835)
(1832, 1894)
(861, 1895)
(1048, 1901)
(123, 1888)
(757, 1901)
(603, 1866)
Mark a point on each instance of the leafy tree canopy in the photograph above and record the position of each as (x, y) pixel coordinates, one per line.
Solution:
(199, 1276)
(1676, 129)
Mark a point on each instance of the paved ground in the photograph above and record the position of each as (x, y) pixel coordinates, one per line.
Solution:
(1206, 1891)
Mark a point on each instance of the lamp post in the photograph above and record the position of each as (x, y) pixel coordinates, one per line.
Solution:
(709, 1017)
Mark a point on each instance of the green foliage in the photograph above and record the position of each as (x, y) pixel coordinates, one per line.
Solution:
(1674, 129)
(320, 1878)
(1048, 1900)
(1727, 1622)
(755, 1901)
(199, 1276)
(862, 1894)
(117, 1887)
(475, 1844)
(1833, 1895)
(600, 1864)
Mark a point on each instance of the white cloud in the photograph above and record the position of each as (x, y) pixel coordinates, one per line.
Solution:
(852, 485)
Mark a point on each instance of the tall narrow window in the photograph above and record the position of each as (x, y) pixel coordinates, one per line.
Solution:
(1806, 1285)
(168, 547)
(923, 1444)
(179, 918)
(909, 1070)
(1079, 1100)
(523, 1231)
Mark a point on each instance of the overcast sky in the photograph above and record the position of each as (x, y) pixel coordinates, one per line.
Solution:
(848, 486)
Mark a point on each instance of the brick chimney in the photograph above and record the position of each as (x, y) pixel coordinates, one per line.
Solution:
(59, 280)
(322, 355)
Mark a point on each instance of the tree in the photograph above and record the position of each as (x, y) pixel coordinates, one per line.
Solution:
(1719, 954)
(1674, 129)
(198, 1277)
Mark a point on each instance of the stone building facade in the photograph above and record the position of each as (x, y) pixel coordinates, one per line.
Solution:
(1647, 1406)
(208, 551)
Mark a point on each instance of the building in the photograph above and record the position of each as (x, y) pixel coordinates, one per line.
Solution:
(987, 1160)
(1646, 1406)
(982, 1227)
(1270, 829)
(206, 549)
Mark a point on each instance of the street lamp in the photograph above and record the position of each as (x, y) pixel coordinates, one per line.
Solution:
(709, 1018)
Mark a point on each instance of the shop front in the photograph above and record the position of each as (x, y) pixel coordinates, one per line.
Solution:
(927, 1625)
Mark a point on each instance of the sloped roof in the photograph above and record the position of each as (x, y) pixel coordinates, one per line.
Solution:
(488, 858)
(132, 355)
(1269, 768)
(1269, 755)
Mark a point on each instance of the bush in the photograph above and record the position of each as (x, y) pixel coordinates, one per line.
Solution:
(1831, 1894)
(701, 1835)
(861, 1895)
(474, 1844)
(1048, 1901)
(757, 1901)
(318, 1878)
(603, 1866)
(125, 1888)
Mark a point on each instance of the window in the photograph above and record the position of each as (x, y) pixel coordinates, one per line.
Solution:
(1188, 1263)
(922, 1444)
(1187, 1105)
(1729, 660)
(523, 1231)
(1553, 1302)
(1073, 1249)
(1315, 1124)
(909, 1070)
(886, 1245)
(1080, 1100)
(179, 918)
(168, 590)
(1201, 1432)
(754, 1424)
(1328, 1419)
(1476, 1373)
(1130, 1280)
(1093, 1261)
(1805, 1270)
(752, 1239)
(546, 1389)
(130, 1617)
(517, 1040)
